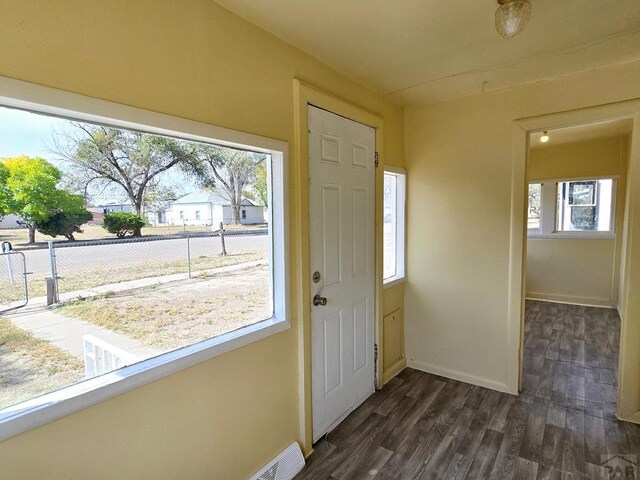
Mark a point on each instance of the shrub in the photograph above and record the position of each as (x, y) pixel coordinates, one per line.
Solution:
(64, 223)
(122, 223)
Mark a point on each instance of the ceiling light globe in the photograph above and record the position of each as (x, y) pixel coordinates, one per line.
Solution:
(512, 16)
(544, 138)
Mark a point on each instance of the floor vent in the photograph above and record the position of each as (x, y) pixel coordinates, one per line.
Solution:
(284, 467)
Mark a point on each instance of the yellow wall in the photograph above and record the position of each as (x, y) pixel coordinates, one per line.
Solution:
(599, 157)
(578, 270)
(573, 270)
(222, 419)
(459, 166)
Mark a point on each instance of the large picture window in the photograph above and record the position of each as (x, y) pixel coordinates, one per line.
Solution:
(159, 244)
(394, 229)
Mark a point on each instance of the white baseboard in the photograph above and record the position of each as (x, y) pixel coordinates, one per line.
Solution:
(461, 376)
(570, 300)
(393, 370)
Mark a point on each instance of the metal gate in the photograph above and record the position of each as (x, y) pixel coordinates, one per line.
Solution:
(14, 292)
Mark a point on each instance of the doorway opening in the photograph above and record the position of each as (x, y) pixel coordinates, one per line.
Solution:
(576, 187)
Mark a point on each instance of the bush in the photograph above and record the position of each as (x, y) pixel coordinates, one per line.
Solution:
(64, 223)
(122, 223)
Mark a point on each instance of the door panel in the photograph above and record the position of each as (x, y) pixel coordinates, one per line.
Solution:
(342, 229)
(331, 246)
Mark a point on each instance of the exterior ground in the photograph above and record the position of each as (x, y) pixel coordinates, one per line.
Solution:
(139, 290)
(30, 367)
(178, 314)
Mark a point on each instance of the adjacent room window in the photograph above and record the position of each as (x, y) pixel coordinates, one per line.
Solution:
(585, 205)
(394, 225)
(535, 206)
(571, 207)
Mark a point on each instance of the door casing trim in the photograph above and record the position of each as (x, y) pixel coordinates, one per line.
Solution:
(304, 95)
(628, 395)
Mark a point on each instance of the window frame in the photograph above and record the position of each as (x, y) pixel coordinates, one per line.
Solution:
(46, 408)
(401, 233)
(549, 210)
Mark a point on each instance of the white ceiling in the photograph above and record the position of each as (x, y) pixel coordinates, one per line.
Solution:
(581, 133)
(428, 51)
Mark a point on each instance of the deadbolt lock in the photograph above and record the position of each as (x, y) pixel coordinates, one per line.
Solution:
(316, 277)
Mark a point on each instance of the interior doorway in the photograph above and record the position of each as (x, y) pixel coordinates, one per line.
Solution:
(576, 186)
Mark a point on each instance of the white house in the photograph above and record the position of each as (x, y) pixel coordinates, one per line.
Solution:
(204, 207)
(11, 221)
(116, 207)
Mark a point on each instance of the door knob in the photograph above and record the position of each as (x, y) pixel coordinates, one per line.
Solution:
(319, 301)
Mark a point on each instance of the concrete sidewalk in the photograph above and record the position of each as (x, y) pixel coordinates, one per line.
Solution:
(67, 333)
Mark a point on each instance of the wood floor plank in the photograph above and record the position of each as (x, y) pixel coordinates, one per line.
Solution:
(573, 453)
(594, 441)
(458, 468)
(437, 464)
(552, 444)
(398, 434)
(370, 466)
(504, 466)
(531, 448)
(525, 470)
(485, 456)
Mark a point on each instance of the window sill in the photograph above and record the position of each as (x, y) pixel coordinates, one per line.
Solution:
(38, 411)
(393, 281)
(583, 235)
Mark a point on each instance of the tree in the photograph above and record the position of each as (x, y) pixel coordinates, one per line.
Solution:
(260, 186)
(5, 193)
(128, 159)
(31, 187)
(158, 198)
(122, 223)
(229, 171)
(68, 220)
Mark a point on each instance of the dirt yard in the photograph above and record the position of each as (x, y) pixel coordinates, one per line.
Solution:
(179, 314)
(30, 367)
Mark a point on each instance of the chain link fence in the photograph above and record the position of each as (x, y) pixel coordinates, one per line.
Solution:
(83, 269)
(13, 281)
(69, 270)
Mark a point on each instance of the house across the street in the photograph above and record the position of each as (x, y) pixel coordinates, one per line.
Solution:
(11, 221)
(204, 207)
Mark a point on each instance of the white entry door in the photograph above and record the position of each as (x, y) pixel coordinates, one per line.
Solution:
(342, 230)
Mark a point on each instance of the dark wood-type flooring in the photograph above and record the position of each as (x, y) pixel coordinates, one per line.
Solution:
(423, 426)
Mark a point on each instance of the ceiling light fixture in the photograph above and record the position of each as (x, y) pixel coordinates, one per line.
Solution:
(512, 16)
(545, 137)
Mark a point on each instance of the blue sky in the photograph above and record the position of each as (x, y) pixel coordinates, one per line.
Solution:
(26, 133)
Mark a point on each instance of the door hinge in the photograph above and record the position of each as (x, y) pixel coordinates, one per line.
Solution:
(375, 357)
(376, 159)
